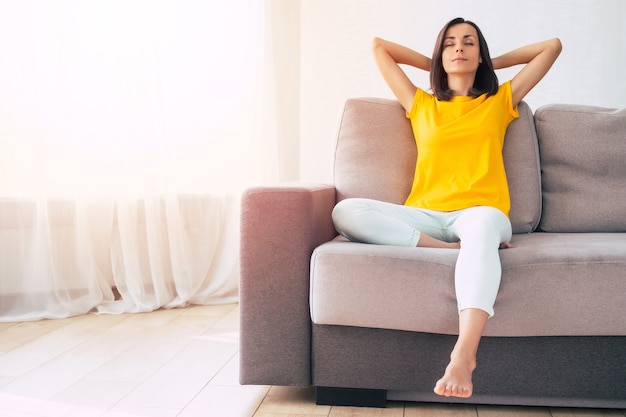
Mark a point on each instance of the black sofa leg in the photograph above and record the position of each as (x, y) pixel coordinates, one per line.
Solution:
(354, 397)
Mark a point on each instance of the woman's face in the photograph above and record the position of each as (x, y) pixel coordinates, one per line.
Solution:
(461, 50)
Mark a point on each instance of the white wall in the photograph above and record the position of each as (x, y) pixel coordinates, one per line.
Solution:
(336, 62)
(284, 19)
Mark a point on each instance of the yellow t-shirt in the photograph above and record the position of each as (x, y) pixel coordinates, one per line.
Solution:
(459, 151)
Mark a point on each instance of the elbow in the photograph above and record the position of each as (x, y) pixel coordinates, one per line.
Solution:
(556, 45)
(376, 43)
(379, 43)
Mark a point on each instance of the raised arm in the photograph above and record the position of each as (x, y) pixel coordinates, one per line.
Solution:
(538, 58)
(388, 56)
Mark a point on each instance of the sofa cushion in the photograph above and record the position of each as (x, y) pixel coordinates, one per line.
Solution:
(376, 153)
(582, 150)
(547, 279)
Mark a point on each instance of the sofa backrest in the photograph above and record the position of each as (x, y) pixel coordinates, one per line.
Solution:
(376, 153)
(583, 163)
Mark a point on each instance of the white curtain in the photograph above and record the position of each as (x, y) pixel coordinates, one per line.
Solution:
(128, 129)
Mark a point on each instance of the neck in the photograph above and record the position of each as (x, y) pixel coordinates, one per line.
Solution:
(461, 85)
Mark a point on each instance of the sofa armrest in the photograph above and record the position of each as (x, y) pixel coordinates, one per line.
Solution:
(280, 228)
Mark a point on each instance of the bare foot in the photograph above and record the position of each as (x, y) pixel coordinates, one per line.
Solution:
(455, 245)
(430, 242)
(457, 380)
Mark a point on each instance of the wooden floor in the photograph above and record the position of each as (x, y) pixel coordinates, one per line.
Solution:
(168, 363)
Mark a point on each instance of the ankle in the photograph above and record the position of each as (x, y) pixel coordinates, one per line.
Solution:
(460, 357)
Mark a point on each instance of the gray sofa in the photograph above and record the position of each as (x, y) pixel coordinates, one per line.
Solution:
(366, 323)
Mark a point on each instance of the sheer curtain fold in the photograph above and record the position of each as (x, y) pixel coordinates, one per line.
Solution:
(127, 131)
(170, 252)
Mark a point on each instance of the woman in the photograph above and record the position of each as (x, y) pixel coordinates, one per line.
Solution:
(460, 196)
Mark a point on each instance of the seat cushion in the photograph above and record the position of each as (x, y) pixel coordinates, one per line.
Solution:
(376, 153)
(582, 150)
(547, 279)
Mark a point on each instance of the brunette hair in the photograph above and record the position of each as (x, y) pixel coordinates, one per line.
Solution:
(485, 81)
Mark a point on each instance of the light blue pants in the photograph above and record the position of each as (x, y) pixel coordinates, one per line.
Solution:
(481, 230)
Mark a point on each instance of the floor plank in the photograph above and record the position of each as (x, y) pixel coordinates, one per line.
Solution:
(291, 400)
(507, 411)
(581, 412)
(394, 409)
(439, 410)
(171, 363)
